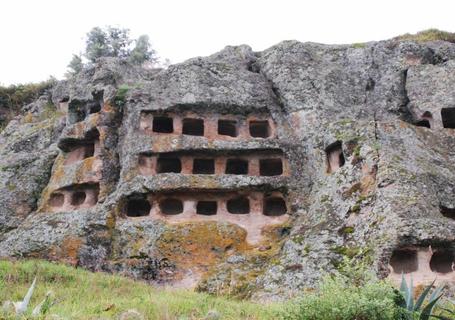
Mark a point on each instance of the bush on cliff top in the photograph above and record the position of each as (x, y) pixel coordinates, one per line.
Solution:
(428, 35)
(14, 97)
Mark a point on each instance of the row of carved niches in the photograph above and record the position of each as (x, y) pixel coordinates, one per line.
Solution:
(80, 149)
(252, 163)
(79, 110)
(447, 119)
(75, 197)
(250, 210)
(425, 264)
(211, 126)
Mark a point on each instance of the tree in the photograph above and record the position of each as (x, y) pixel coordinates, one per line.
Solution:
(96, 44)
(142, 51)
(75, 65)
(107, 42)
(118, 42)
(113, 42)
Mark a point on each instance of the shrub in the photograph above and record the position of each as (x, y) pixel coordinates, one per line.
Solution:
(338, 299)
(13, 97)
(354, 293)
(428, 35)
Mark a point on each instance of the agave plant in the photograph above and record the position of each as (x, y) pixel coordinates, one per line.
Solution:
(416, 307)
(20, 307)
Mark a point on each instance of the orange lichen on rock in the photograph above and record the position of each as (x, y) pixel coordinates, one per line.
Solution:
(67, 251)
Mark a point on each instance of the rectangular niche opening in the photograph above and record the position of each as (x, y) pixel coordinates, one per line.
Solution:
(138, 208)
(57, 200)
(236, 166)
(80, 149)
(171, 206)
(228, 128)
(168, 165)
(404, 261)
(270, 167)
(206, 208)
(163, 124)
(442, 261)
(447, 212)
(274, 206)
(260, 129)
(203, 166)
(240, 205)
(448, 117)
(193, 127)
(335, 156)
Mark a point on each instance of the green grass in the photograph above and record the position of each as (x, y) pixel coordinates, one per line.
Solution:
(428, 35)
(86, 295)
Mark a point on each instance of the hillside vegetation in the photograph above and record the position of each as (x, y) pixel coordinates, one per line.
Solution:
(80, 294)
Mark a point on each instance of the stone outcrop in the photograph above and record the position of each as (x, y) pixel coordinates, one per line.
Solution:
(248, 173)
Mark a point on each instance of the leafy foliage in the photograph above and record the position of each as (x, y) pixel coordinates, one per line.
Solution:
(338, 299)
(142, 51)
(13, 97)
(116, 42)
(75, 65)
(354, 293)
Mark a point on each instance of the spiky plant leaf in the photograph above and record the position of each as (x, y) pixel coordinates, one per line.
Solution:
(426, 312)
(410, 297)
(422, 297)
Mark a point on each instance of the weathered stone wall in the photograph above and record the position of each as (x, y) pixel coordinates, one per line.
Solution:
(248, 173)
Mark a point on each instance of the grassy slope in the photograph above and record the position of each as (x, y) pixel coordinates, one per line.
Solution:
(86, 295)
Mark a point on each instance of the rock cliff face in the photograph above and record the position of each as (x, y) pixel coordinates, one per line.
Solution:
(248, 173)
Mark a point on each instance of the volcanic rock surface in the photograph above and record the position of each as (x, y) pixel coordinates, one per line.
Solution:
(248, 173)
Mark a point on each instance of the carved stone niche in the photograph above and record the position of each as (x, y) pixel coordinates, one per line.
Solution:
(334, 156)
(424, 264)
(80, 149)
(426, 120)
(75, 197)
(79, 110)
(448, 117)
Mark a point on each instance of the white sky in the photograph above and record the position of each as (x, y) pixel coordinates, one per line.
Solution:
(38, 38)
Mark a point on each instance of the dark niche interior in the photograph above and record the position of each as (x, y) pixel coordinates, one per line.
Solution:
(240, 205)
(447, 212)
(448, 117)
(260, 129)
(335, 156)
(236, 166)
(171, 206)
(203, 166)
(193, 127)
(270, 167)
(138, 208)
(442, 261)
(404, 261)
(228, 128)
(206, 208)
(168, 165)
(162, 124)
(274, 206)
